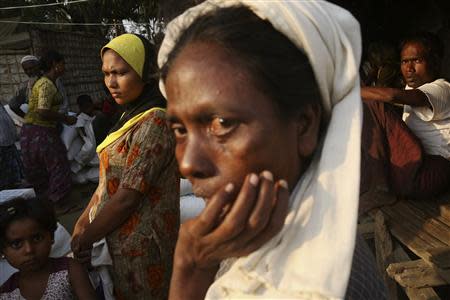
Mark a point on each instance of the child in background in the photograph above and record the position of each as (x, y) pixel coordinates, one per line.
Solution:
(86, 105)
(27, 230)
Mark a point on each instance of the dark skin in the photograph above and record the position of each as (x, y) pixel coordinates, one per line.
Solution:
(29, 283)
(27, 248)
(115, 212)
(240, 155)
(56, 71)
(416, 72)
(125, 85)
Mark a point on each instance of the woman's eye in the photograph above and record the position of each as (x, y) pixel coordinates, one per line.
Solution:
(222, 126)
(178, 130)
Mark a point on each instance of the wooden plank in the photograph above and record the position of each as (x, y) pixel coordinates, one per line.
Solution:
(408, 229)
(414, 293)
(445, 211)
(421, 294)
(405, 215)
(434, 209)
(383, 253)
(427, 222)
(366, 230)
(416, 274)
(440, 256)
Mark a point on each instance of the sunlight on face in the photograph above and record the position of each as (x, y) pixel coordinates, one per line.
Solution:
(122, 81)
(225, 126)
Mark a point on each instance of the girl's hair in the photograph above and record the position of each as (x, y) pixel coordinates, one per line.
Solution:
(19, 208)
(278, 67)
(50, 58)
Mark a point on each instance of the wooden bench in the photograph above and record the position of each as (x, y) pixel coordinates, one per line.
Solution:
(423, 228)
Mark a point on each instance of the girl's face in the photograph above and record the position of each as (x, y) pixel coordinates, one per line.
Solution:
(225, 126)
(122, 81)
(27, 245)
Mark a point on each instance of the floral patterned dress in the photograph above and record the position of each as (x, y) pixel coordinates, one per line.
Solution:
(142, 248)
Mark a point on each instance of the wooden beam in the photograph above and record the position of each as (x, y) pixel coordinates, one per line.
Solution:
(414, 293)
(416, 274)
(384, 253)
(421, 294)
(366, 230)
(440, 256)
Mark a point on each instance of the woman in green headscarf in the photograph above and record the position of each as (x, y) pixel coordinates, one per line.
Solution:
(136, 204)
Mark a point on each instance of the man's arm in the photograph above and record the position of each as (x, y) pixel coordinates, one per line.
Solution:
(414, 97)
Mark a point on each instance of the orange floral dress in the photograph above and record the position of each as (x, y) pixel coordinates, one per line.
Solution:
(142, 248)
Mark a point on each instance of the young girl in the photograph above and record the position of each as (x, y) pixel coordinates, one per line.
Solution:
(27, 230)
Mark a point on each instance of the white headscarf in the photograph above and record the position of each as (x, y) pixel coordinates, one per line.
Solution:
(311, 257)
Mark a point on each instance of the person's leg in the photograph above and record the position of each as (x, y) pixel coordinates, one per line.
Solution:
(432, 179)
(58, 168)
(31, 140)
(390, 147)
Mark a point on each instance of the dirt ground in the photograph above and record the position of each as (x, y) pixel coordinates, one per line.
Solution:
(79, 199)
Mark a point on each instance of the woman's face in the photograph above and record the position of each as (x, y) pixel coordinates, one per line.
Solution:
(225, 126)
(124, 84)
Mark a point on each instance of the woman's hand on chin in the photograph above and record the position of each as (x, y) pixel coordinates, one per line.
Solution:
(235, 223)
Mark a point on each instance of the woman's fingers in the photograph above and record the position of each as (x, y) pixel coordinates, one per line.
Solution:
(263, 208)
(235, 221)
(211, 214)
(248, 241)
(256, 215)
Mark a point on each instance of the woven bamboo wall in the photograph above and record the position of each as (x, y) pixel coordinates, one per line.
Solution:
(83, 65)
(11, 73)
(81, 52)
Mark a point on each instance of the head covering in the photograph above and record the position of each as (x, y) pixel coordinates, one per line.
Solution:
(311, 257)
(29, 58)
(139, 53)
(131, 48)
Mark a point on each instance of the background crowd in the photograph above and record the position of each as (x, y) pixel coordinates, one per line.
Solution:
(267, 110)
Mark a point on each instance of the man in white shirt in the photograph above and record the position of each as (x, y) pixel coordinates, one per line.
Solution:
(412, 151)
(31, 67)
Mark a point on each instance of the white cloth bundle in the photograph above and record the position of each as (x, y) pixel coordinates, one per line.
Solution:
(311, 257)
(79, 140)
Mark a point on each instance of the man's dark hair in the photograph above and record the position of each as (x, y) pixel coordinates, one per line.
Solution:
(278, 67)
(433, 46)
(49, 59)
(36, 209)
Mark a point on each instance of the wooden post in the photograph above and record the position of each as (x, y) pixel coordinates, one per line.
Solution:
(384, 253)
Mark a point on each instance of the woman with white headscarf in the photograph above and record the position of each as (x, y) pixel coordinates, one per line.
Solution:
(263, 99)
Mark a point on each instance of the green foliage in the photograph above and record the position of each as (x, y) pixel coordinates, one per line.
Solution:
(92, 11)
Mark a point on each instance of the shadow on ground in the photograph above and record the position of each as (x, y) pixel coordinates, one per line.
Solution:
(78, 200)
